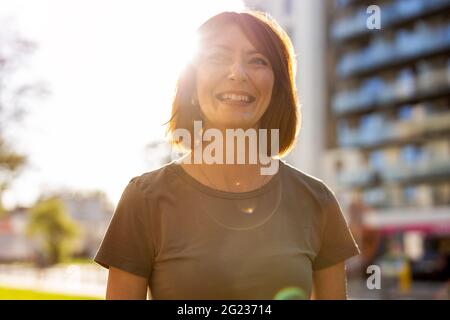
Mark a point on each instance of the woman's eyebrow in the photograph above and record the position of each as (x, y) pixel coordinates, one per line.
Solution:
(221, 46)
(253, 51)
(228, 48)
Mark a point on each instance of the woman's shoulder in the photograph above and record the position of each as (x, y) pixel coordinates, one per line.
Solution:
(152, 180)
(316, 186)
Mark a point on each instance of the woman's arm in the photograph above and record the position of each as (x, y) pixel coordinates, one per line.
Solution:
(123, 285)
(330, 283)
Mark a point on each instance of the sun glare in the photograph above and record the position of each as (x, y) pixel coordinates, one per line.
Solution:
(182, 40)
(111, 66)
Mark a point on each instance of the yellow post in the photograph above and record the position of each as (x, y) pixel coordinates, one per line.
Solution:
(405, 277)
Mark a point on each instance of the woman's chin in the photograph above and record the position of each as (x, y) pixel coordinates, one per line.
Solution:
(235, 122)
(230, 123)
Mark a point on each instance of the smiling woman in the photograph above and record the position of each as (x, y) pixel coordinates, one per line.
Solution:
(225, 103)
(225, 231)
(230, 83)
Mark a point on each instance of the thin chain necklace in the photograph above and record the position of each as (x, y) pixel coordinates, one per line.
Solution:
(237, 183)
(209, 212)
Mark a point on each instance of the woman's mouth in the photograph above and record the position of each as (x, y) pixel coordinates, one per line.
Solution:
(235, 99)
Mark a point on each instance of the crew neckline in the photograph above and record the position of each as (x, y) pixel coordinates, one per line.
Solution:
(178, 169)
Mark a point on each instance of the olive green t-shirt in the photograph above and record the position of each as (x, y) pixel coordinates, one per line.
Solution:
(192, 241)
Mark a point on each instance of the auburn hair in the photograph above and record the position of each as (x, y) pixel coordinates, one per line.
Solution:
(283, 112)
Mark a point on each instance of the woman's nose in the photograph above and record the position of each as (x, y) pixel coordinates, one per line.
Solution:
(237, 72)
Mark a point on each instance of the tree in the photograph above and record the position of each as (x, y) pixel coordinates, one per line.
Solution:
(54, 230)
(15, 95)
(10, 163)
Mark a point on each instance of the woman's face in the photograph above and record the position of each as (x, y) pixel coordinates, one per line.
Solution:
(234, 81)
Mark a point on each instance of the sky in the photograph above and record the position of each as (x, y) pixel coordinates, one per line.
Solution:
(110, 67)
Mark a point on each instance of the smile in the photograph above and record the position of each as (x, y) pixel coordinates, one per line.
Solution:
(235, 97)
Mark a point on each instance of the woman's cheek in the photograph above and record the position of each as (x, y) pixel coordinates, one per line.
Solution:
(210, 76)
(264, 79)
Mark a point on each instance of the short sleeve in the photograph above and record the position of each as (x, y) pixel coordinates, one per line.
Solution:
(337, 242)
(127, 244)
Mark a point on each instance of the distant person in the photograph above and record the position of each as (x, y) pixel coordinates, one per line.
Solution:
(367, 237)
(227, 231)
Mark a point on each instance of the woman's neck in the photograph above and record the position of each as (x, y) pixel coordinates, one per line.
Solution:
(232, 161)
(229, 177)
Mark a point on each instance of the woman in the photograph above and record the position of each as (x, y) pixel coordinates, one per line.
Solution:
(221, 229)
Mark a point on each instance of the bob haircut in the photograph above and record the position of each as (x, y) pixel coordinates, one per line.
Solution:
(283, 112)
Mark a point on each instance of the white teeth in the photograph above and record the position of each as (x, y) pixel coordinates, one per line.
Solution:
(235, 97)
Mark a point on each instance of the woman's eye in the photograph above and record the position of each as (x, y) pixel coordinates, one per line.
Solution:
(260, 61)
(216, 58)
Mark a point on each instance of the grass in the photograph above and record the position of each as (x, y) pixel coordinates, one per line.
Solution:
(24, 294)
(84, 261)
(79, 261)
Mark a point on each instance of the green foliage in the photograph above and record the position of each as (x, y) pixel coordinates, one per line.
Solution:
(54, 230)
(9, 160)
(10, 163)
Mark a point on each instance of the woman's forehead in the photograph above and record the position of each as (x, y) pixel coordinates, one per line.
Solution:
(228, 38)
